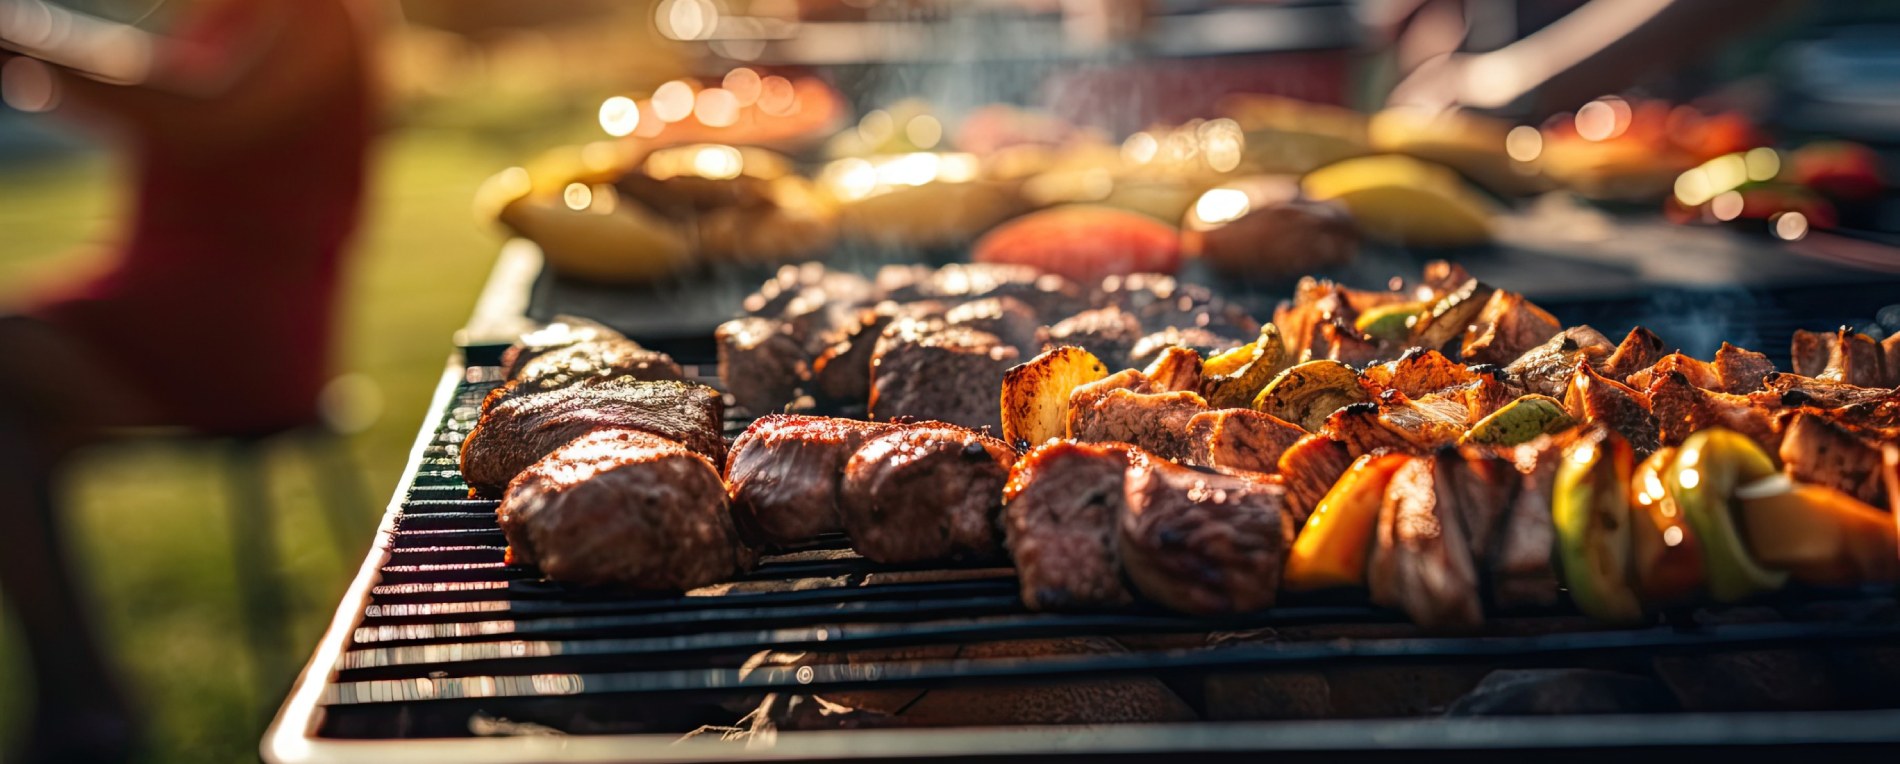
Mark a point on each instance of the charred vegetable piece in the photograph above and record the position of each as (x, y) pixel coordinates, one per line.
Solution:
(1309, 393)
(1818, 534)
(1520, 421)
(1230, 380)
(1667, 553)
(1332, 548)
(1036, 394)
(1391, 323)
(1707, 467)
(1591, 508)
(1450, 316)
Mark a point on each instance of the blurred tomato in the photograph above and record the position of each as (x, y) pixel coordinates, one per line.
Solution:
(1084, 243)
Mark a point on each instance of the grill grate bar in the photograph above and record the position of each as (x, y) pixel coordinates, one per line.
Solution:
(833, 678)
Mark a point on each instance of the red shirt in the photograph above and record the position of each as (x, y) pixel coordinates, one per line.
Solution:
(220, 305)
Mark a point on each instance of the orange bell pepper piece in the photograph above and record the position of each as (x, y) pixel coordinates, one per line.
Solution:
(1332, 548)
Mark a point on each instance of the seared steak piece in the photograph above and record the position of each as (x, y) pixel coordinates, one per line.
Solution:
(1639, 350)
(1742, 371)
(1175, 370)
(1521, 569)
(517, 432)
(774, 299)
(1154, 421)
(1203, 542)
(923, 370)
(1682, 408)
(1547, 368)
(562, 332)
(1810, 351)
(1202, 341)
(925, 492)
(1818, 451)
(1593, 397)
(1051, 296)
(1061, 509)
(1506, 327)
(1006, 317)
(842, 372)
(1311, 466)
(1158, 300)
(596, 359)
(1418, 373)
(1110, 333)
(762, 362)
(1421, 561)
(1480, 485)
(625, 509)
(783, 475)
(1240, 439)
(1796, 390)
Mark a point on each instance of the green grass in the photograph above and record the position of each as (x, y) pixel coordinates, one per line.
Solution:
(151, 519)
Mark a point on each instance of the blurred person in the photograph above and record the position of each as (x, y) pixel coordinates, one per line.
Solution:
(1537, 57)
(246, 129)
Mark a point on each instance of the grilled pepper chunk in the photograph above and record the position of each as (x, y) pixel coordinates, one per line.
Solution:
(1232, 379)
(1590, 505)
(1666, 552)
(1820, 535)
(1702, 478)
(1520, 421)
(1331, 549)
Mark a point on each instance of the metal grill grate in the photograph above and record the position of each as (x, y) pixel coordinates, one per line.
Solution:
(451, 631)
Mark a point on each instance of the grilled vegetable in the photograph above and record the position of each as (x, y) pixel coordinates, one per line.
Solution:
(1232, 379)
(1451, 316)
(1332, 548)
(1703, 476)
(1667, 554)
(1520, 421)
(1818, 534)
(1309, 393)
(1590, 507)
(1036, 394)
(1390, 323)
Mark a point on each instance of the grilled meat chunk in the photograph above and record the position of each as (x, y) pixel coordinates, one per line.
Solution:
(563, 331)
(1842, 356)
(1240, 439)
(1482, 483)
(1819, 451)
(762, 362)
(1698, 373)
(1311, 466)
(519, 431)
(1158, 300)
(1203, 342)
(1742, 371)
(924, 370)
(1780, 389)
(1451, 316)
(625, 509)
(1639, 350)
(1203, 542)
(1547, 368)
(925, 492)
(1006, 317)
(1154, 421)
(1418, 373)
(1682, 408)
(1109, 333)
(1593, 397)
(1809, 351)
(1422, 561)
(1062, 505)
(812, 282)
(1521, 569)
(596, 359)
(1177, 369)
(1398, 423)
(783, 475)
(842, 371)
(1051, 296)
(1507, 327)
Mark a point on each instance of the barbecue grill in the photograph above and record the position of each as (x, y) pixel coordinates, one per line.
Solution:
(441, 649)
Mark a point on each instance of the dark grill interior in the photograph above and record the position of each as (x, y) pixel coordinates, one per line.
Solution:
(453, 635)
